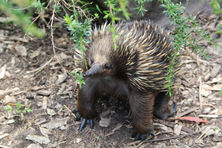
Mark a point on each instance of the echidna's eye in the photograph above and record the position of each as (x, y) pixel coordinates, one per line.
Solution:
(107, 66)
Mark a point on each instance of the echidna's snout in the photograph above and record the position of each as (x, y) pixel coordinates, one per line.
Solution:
(95, 69)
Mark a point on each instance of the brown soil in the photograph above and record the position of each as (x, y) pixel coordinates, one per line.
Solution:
(40, 80)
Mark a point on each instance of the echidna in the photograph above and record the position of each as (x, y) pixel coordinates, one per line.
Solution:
(135, 70)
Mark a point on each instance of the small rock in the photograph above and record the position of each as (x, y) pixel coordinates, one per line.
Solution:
(105, 119)
(63, 127)
(206, 110)
(30, 95)
(188, 66)
(55, 123)
(9, 121)
(44, 92)
(215, 70)
(51, 112)
(205, 93)
(21, 50)
(63, 56)
(38, 139)
(77, 140)
(34, 146)
(61, 78)
(58, 106)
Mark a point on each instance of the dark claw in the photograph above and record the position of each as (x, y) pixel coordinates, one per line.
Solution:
(91, 124)
(84, 122)
(138, 136)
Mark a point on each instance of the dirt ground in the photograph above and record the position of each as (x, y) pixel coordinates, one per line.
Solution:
(32, 74)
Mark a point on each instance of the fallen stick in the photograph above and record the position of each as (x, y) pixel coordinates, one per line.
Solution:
(174, 137)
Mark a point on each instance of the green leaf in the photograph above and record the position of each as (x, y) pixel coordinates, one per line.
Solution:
(27, 110)
(9, 108)
(18, 107)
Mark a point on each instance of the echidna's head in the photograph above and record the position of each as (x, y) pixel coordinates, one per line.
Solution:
(99, 56)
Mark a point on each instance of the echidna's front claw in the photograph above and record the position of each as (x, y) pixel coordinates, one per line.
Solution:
(84, 122)
(91, 124)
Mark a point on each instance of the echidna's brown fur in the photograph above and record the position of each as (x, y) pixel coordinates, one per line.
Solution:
(137, 67)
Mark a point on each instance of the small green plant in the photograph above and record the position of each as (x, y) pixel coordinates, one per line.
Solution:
(216, 6)
(18, 108)
(220, 92)
(79, 78)
(80, 32)
(140, 7)
(182, 36)
(20, 12)
(218, 11)
(9, 108)
(27, 110)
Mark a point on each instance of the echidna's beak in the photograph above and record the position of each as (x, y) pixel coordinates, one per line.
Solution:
(95, 69)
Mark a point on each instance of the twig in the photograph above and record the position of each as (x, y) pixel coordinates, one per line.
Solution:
(169, 124)
(70, 111)
(52, 39)
(208, 116)
(200, 88)
(52, 36)
(40, 68)
(186, 112)
(174, 137)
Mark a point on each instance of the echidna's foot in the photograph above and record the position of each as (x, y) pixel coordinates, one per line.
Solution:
(164, 112)
(138, 136)
(84, 122)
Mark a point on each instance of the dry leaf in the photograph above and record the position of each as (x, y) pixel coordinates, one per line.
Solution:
(195, 119)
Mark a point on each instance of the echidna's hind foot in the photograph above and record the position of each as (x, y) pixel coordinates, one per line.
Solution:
(141, 106)
(161, 108)
(138, 136)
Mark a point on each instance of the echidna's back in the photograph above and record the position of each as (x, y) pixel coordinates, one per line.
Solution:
(144, 49)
